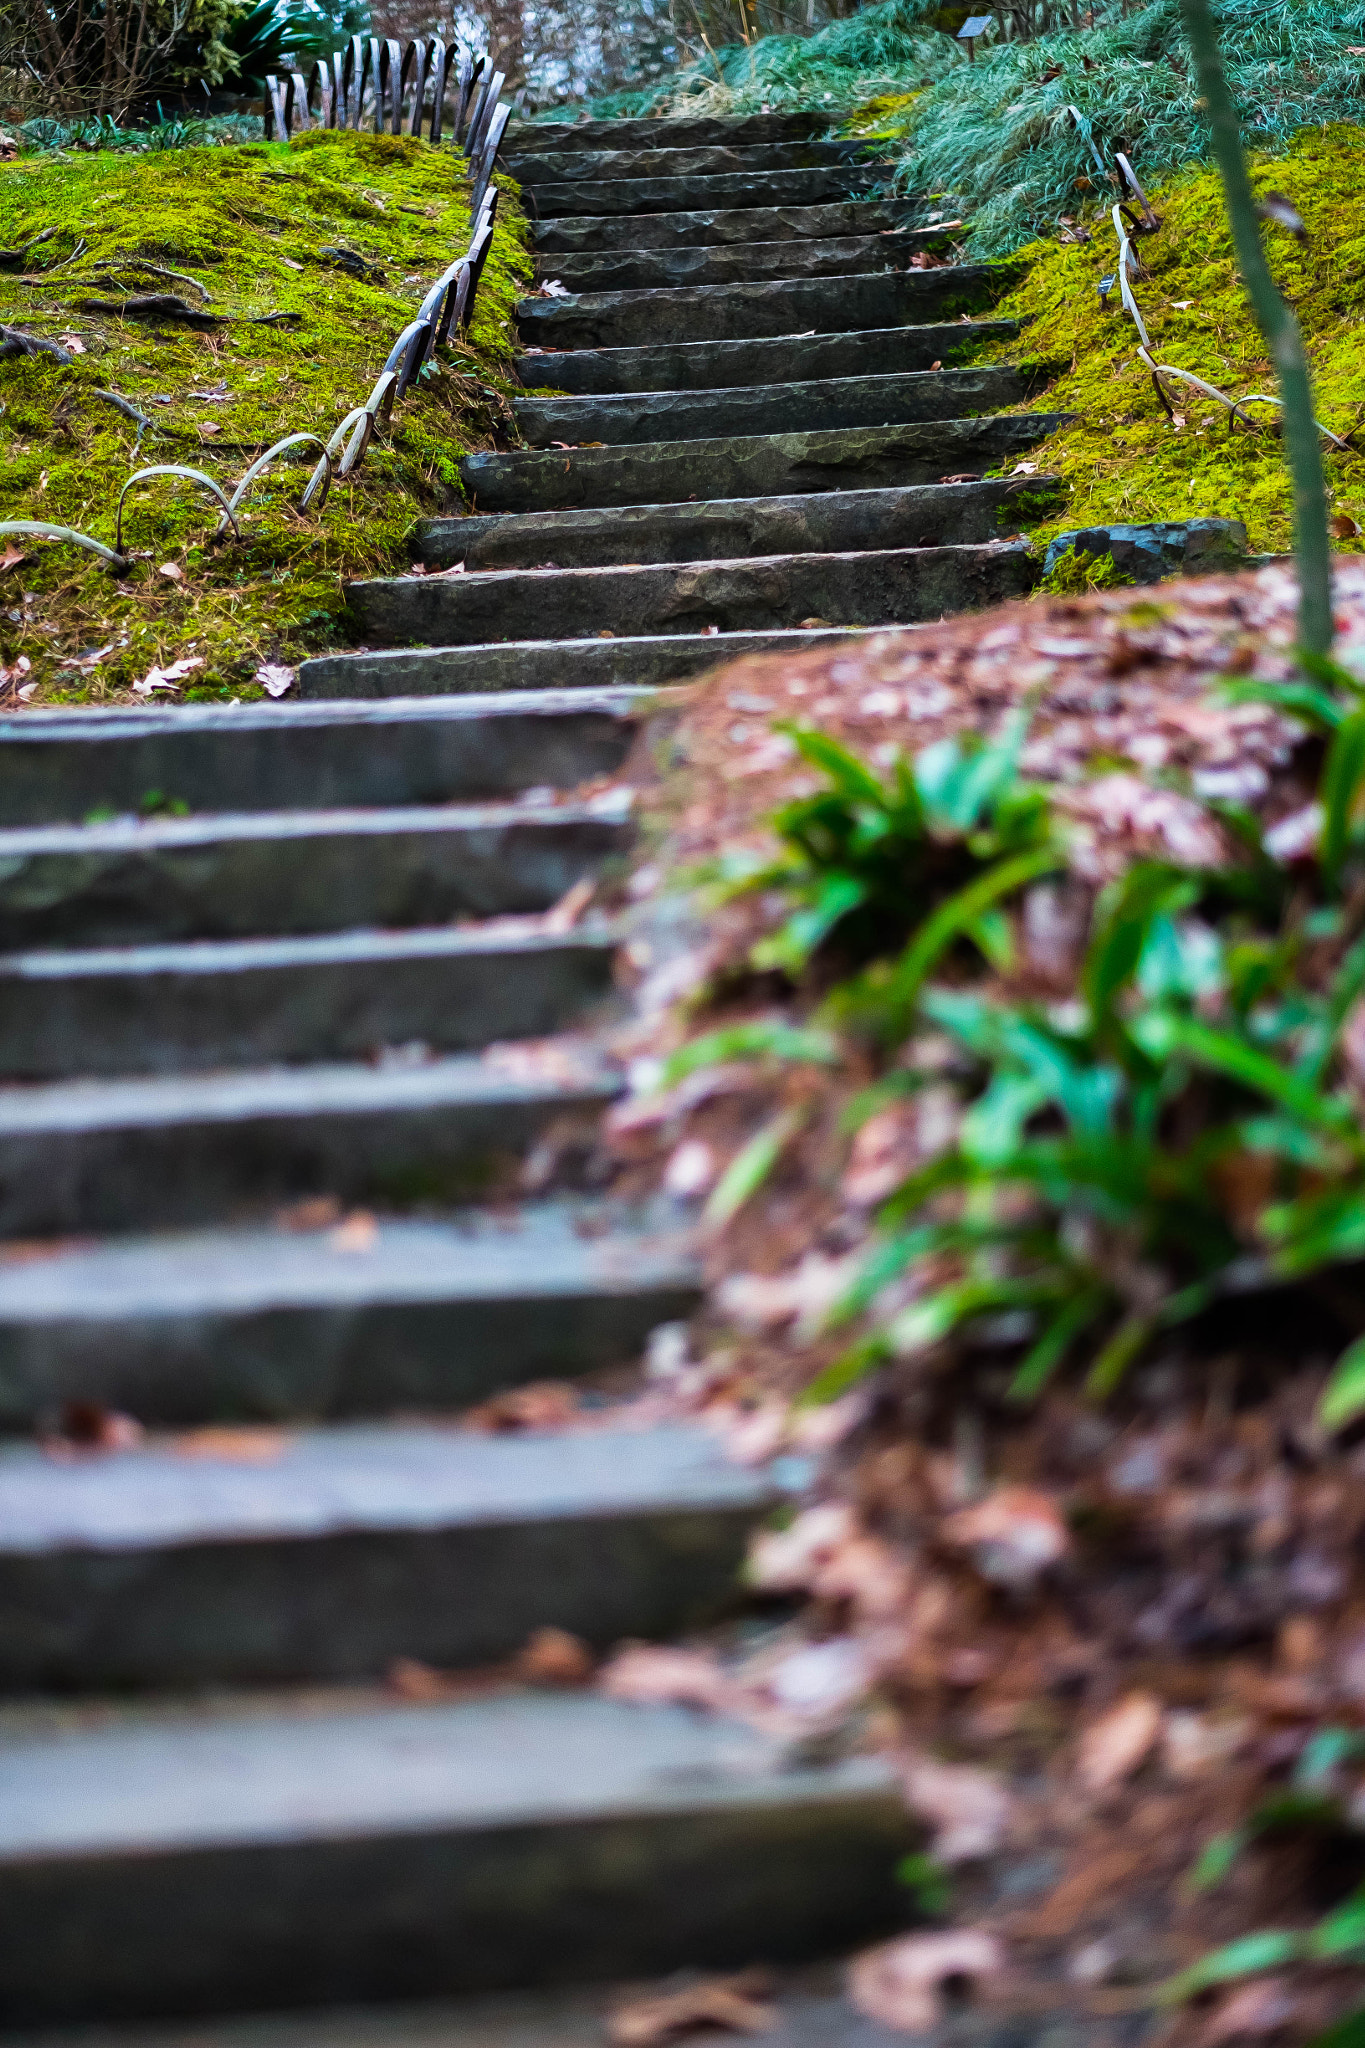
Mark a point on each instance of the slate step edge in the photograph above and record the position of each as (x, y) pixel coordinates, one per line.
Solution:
(346, 1548)
(253, 1861)
(271, 1324)
(128, 1155)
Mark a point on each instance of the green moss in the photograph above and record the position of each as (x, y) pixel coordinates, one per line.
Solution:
(1072, 575)
(1123, 458)
(251, 224)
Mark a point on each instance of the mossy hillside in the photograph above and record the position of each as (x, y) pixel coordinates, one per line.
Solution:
(252, 224)
(1123, 458)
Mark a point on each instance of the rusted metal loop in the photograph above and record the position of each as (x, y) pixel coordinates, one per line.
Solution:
(457, 295)
(276, 109)
(195, 476)
(298, 103)
(379, 404)
(263, 462)
(439, 64)
(43, 529)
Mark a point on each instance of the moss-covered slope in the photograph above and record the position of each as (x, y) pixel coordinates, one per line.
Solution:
(1124, 459)
(260, 227)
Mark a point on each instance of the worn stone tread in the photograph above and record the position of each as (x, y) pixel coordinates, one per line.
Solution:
(878, 587)
(706, 365)
(270, 1323)
(211, 1863)
(185, 1149)
(137, 881)
(696, 131)
(734, 263)
(742, 312)
(343, 1548)
(751, 465)
(718, 191)
(58, 764)
(920, 515)
(648, 662)
(678, 161)
(811, 406)
(718, 225)
(249, 1002)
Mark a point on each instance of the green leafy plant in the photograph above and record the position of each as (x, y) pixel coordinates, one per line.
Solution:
(866, 855)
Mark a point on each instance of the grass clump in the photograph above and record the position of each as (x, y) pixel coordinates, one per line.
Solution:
(1123, 458)
(343, 232)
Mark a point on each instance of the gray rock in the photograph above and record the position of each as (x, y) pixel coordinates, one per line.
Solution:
(713, 226)
(632, 269)
(680, 132)
(1183, 547)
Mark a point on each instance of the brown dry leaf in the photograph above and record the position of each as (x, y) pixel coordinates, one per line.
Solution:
(551, 1656)
(1341, 526)
(736, 2005)
(789, 1560)
(1260, 2008)
(651, 1677)
(413, 1680)
(73, 342)
(358, 1233)
(172, 572)
(900, 1983)
(232, 1446)
(969, 1809)
(1113, 1747)
(12, 557)
(565, 914)
(315, 1212)
(1013, 1535)
(544, 1404)
(89, 1426)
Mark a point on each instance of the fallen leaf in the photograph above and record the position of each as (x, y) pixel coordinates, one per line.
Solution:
(90, 1426)
(551, 1656)
(357, 1233)
(1193, 1746)
(544, 1404)
(820, 1680)
(652, 1677)
(899, 1984)
(1024, 469)
(315, 1212)
(1341, 526)
(1112, 1748)
(1260, 2008)
(275, 678)
(166, 678)
(968, 1808)
(232, 1446)
(571, 905)
(962, 476)
(172, 572)
(208, 427)
(11, 558)
(73, 342)
(788, 1560)
(691, 1170)
(553, 289)
(736, 2005)
(1013, 1535)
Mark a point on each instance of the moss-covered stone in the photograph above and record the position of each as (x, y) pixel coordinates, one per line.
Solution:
(1123, 458)
(254, 225)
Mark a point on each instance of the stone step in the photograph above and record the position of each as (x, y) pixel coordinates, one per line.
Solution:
(735, 262)
(568, 233)
(693, 195)
(138, 881)
(751, 465)
(233, 1857)
(186, 1149)
(833, 522)
(332, 1552)
(276, 1324)
(814, 405)
(705, 365)
(650, 131)
(251, 1002)
(525, 664)
(879, 587)
(60, 764)
(741, 312)
(676, 162)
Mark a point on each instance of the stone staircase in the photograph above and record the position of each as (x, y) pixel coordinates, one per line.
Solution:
(309, 989)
